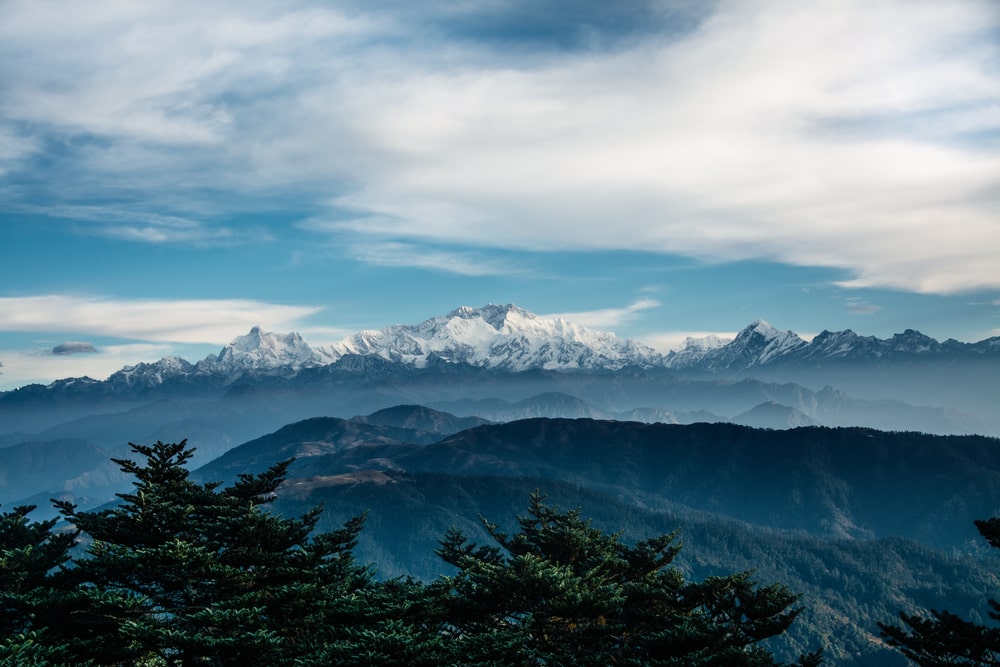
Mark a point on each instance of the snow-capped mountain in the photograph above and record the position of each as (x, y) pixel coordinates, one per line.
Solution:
(500, 337)
(507, 338)
(694, 350)
(477, 354)
(756, 345)
(259, 352)
(145, 375)
(762, 346)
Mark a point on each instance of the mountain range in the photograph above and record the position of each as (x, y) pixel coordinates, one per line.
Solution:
(814, 462)
(760, 345)
(510, 339)
(496, 363)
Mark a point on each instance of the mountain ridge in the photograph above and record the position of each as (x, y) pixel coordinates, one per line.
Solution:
(909, 381)
(761, 345)
(510, 339)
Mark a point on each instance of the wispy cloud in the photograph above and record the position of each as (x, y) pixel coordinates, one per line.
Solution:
(607, 318)
(215, 321)
(844, 134)
(435, 259)
(857, 306)
(141, 226)
(713, 145)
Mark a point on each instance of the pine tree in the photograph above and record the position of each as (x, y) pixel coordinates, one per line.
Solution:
(183, 573)
(561, 592)
(29, 591)
(942, 638)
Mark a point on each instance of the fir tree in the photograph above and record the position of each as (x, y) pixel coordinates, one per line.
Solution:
(942, 638)
(183, 573)
(30, 592)
(561, 592)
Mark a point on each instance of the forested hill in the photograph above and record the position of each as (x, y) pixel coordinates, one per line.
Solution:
(834, 482)
(863, 523)
(847, 586)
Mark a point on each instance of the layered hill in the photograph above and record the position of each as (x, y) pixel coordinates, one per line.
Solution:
(863, 523)
(500, 363)
(832, 482)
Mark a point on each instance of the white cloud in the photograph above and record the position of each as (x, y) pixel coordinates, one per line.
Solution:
(41, 366)
(838, 133)
(189, 328)
(215, 321)
(141, 226)
(858, 306)
(608, 318)
(447, 261)
(716, 146)
(153, 72)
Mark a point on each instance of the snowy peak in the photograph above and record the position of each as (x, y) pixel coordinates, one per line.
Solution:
(760, 344)
(146, 375)
(509, 338)
(494, 315)
(842, 345)
(762, 330)
(756, 345)
(694, 350)
(266, 353)
(762, 327)
(500, 337)
(913, 342)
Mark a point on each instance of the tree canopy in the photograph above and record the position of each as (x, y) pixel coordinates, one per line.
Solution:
(187, 573)
(561, 592)
(941, 638)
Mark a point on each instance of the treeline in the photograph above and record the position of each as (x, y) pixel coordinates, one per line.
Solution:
(846, 586)
(186, 573)
(191, 573)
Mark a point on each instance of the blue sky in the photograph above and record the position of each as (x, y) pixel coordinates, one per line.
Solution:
(173, 173)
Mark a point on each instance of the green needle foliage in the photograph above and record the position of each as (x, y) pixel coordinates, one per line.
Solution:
(942, 638)
(182, 573)
(30, 594)
(561, 592)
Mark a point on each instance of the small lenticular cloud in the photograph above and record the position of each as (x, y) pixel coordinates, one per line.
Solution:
(863, 308)
(74, 347)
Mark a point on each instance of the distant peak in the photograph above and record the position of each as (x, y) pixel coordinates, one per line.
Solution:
(253, 336)
(762, 326)
(495, 315)
(765, 329)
